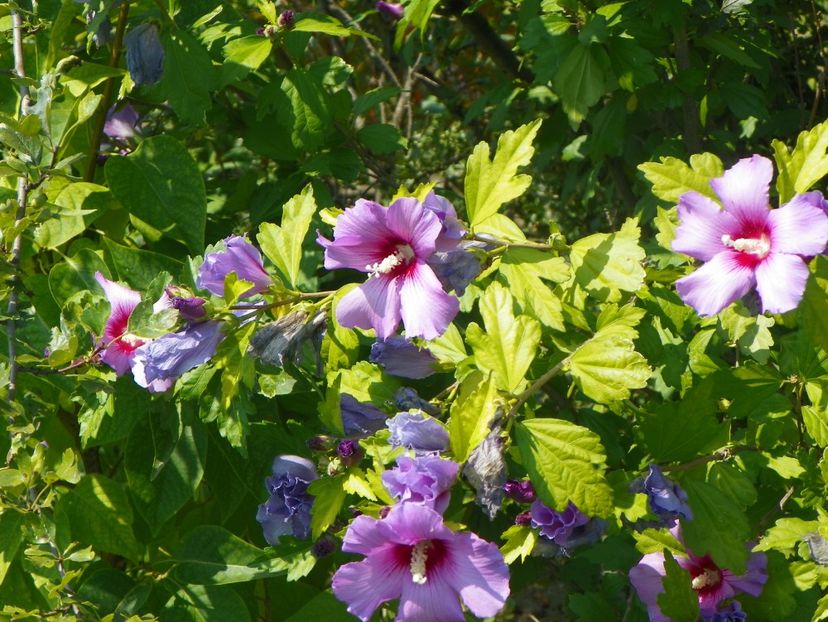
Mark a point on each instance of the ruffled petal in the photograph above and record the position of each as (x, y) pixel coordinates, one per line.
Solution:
(715, 285)
(799, 227)
(646, 578)
(703, 223)
(374, 304)
(780, 281)
(743, 190)
(431, 601)
(427, 310)
(414, 224)
(478, 573)
(365, 585)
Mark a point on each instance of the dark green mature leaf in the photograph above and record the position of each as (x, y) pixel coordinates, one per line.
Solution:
(76, 274)
(813, 309)
(311, 119)
(206, 603)
(11, 536)
(139, 267)
(100, 515)
(381, 138)
(679, 601)
(566, 462)
(188, 77)
(81, 204)
(583, 77)
(160, 185)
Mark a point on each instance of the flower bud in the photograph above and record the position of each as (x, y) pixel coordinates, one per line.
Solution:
(391, 9)
(349, 452)
(285, 20)
(144, 54)
(521, 491)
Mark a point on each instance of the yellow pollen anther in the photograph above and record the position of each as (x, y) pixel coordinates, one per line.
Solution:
(752, 246)
(419, 557)
(708, 578)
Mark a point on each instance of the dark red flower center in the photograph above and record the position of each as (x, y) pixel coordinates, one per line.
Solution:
(752, 245)
(705, 575)
(395, 261)
(421, 558)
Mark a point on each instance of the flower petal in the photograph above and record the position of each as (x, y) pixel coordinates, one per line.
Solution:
(647, 578)
(743, 190)
(780, 281)
(361, 237)
(365, 585)
(412, 522)
(479, 573)
(366, 535)
(754, 578)
(119, 297)
(429, 602)
(799, 227)
(374, 304)
(427, 310)
(715, 285)
(703, 223)
(414, 224)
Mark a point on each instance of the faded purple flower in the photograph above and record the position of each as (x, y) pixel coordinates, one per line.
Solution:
(276, 343)
(747, 244)
(666, 498)
(360, 418)
(120, 124)
(486, 472)
(324, 546)
(407, 398)
(521, 491)
(391, 9)
(455, 269)
(423, 479)
(557, 526)
(711, 583)
(392, 246)
(144, 54)
(287, 511)
(399, 356)
(190, 308)
(413, 556)
(239, 256)
(732, 613)
(417, 431)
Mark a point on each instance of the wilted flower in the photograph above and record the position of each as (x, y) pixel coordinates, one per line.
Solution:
(399, 356)
(711, 583)
(423, 479)
(392, 246)
(417, 431)
(557, 526)
(524, 519)
(323, 547)
(413, 556)
(287, 511)
(280, 341)
(666, 498)
(360, 418)
(239, 256)
(732, 613)
(521, 491)
(391, 9)
(144, 54)
(747, 244)
(486, 472)
(455, 269)
(406, 398)
(157, 364)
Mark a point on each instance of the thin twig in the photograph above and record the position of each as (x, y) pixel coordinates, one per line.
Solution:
(536, 386)
(720, 456)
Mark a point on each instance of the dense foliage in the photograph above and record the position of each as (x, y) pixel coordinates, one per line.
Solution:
(322, 310)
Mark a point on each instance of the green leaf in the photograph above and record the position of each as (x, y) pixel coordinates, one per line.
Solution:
(329, 497)
(786, 535)
(566, 462)
(11, 536)
(520, 540)
(606, 264)
(491, 183)
(100, 515)
(283, 244)
(211, 555)
(679, 602)
(583, 77)
(816, 422)
(248, 52)
(76, 274)
(508, 345)
(821, 612)
(160, 184)
(374, 97)
(327, 25)
(310, 119)
(137, 266)
(471, 415)
(805, 166)
(205, 603)
(81, 204)
(657, 540)
(381, 138)
(671, 177)
(523, 272)
(813, 309)
(188, 77)
(719, 527)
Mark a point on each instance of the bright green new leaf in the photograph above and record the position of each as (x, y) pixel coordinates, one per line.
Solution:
(671, 177)
(491, 183)
(329, 496)
(508, 345)
(535, 297)
(520, 540)
(566, 462)
(799, 170)
(471, 415)
(249, 52)
(813, 309)
(657, 540)
(283, 244)
(679, 600)
(786, 535)
(816, 422)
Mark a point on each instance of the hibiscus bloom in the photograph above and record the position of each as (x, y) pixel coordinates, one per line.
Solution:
(393, 247)
(288, 508)
(424, 479)
(712, 584)
(239, 256)
(747, 244)
(413, 556)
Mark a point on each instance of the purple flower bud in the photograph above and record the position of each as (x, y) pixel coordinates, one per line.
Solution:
(190, 308)
(521, 491)
(557, 526)
(238, 256)
(417, 431)
(144, 54)
(324, 546)
(349, 452)
(486, 472)
(400, 357)
(285, 20)
(407, 398)
(358, 418)
(260, 32)
(524, 519)
(320, 443)
(424, 479)
(392, 10)
(287, 511)
(455, 269)
(157, 364)
(732, 613)
(666, 498)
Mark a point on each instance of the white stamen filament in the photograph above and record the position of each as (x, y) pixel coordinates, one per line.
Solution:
(419, 557)
(131, 339)
(403, 254)
(708, 578)
(752, 246)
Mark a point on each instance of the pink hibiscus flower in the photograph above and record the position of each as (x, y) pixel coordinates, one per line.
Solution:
(747, 244)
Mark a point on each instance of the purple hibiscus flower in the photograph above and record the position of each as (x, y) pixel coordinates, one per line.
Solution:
(407, 398)
(711, 583)
(413, 556)
(557, 526)
(732, 613)
(393, 247)
(424, 479)
(666, 498)
(399, 356)
(159, 363)
(287, 511)
(747, 244)
(239, 256)
(521, 491)
(360, 419)
(391, 9)
(417, 431)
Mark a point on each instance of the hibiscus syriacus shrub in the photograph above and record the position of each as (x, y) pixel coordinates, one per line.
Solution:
(265, 360)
